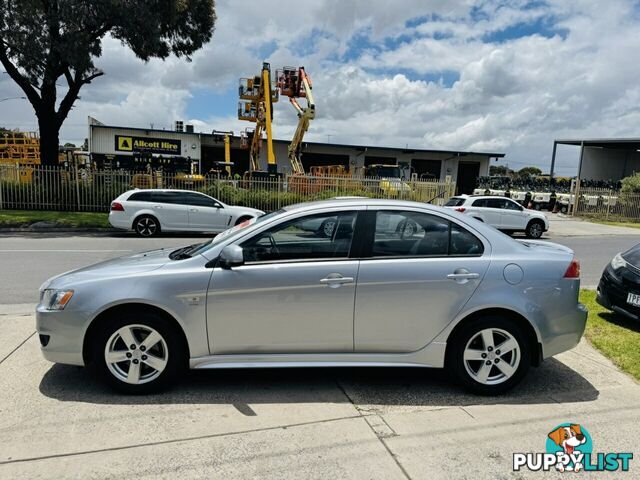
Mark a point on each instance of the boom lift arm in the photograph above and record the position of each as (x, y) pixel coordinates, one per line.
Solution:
(297, 84)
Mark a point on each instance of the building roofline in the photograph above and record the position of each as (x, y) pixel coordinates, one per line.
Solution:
(461, 153)
(596, 141)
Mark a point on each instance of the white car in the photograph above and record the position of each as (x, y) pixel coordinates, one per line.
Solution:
(501, 213)
(148, 212)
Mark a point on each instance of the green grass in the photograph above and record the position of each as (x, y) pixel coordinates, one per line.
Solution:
(616, 336)
(23, 218)
(616, 224)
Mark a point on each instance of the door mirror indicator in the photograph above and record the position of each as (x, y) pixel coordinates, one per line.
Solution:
(231, 256)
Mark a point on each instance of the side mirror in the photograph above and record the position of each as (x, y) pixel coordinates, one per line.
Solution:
(231, 256)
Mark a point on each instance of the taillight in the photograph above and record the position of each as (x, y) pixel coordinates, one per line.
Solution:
(573, 271)
(460, 209)
(117, 207)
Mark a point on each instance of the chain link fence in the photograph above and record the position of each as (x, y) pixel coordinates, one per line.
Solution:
(86, 190)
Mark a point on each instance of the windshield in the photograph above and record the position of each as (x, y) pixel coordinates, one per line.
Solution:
(392, 172)
(454, 202)
(201, 247)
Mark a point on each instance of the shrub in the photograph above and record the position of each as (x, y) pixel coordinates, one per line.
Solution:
(631, 184)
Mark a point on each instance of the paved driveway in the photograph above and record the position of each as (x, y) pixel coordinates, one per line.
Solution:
(56, 422)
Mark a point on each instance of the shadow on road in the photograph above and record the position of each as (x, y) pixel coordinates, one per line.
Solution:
(550, 383)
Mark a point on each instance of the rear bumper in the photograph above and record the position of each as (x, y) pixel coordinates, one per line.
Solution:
(565, 332)
(119, 220)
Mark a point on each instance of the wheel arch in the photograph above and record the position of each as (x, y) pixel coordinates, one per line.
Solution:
(144, 213)
(530, 331)
(134, 307)
(242, 218)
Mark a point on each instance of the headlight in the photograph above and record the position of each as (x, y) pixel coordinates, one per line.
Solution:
(618, 262)
(53, 299)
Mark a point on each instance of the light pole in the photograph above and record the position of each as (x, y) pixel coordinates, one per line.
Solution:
(12, 98)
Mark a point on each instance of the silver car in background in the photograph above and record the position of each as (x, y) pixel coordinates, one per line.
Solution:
(447, 292)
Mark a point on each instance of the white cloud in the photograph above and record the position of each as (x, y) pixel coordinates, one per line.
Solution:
(376, 76)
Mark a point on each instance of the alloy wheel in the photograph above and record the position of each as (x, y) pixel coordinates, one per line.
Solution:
(492, 356)
(328, 227)
(146, 227)
(136, 354)
(535, 230)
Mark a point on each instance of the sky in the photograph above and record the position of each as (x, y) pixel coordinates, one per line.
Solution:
(495, 76)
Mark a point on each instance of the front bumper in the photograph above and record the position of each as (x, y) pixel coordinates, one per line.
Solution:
(612, 294)
(65, 335)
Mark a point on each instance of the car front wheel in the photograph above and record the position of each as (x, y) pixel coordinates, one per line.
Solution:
(535, 229)
(138, 354)
(489, 356)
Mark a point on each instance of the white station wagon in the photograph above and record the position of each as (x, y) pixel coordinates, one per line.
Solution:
(148, 212)
(501, 213)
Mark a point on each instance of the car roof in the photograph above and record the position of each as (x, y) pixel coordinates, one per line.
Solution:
(162, 190)
(356, 201)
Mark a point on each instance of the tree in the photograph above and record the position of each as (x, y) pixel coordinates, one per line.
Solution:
(529, 171)
(42, 41)
(631, 184)
(500, 170)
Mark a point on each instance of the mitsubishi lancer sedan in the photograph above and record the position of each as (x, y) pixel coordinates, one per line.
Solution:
(449, 292)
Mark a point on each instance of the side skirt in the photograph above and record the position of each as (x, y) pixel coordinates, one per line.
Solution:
(431, 356)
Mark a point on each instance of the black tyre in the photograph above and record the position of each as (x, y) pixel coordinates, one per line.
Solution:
(535, 229)
(146, 226)
(489, 356)
(327, 227)
(138, 353)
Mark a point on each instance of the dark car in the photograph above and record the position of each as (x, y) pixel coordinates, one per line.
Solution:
(619, 287)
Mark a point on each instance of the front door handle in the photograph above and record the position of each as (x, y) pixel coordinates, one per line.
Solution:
(462, 275)
(334, 280)
(193, 209)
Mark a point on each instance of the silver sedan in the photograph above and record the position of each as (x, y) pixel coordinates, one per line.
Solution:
(447, 292)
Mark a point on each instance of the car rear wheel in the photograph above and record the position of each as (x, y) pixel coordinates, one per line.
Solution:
(489, 356)
(146, 226)
(535, 229)
(138, 354)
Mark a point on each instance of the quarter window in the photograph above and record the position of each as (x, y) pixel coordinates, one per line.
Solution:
(416, 234)
(315, 237)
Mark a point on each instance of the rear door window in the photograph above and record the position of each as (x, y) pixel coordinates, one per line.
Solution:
(481, 202)
(417, 234)
(140, 197)
(455, 202)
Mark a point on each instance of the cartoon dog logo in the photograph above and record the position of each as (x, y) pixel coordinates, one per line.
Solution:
(568, 438)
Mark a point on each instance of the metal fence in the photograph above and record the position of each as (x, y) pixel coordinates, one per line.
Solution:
(605, 204)
(87, 190)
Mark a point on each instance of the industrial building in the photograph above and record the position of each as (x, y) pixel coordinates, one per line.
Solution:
(604, 159)
(120, 147)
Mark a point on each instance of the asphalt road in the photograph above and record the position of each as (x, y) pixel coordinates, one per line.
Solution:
(56, 421)
(27, 260)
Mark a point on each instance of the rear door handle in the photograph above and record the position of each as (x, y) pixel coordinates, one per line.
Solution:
(157, 207)
(193, 209)
(463, 276)
(335, 280)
